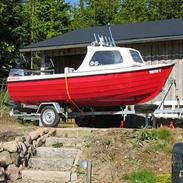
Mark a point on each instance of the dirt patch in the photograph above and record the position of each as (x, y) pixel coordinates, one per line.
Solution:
(11, 128)
(118, 152)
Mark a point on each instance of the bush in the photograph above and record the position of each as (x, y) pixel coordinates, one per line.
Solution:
(163, 178)
(163, 134)
(4, 98)
(145, 135)
(141, 176)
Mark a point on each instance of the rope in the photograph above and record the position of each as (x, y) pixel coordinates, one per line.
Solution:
(68, 93)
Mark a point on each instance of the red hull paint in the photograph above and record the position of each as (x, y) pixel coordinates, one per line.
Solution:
(115, 89)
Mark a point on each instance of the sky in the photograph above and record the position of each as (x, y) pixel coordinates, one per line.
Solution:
(74, 2)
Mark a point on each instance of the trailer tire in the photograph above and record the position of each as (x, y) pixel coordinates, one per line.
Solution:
(49, 117)
(82, 122)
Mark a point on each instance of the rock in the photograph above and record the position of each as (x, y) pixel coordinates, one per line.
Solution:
(21, 155)
(23, 148)
(46, 130)
(39, 142)
(27, 144)
(28, 139)
(34, 135)
(31, 150)
(20, 139)
(41, 131)
(43, 139)
(74, 177)
(2, 174)
(11, 146)
(1, 147)
(5, 158)
(34, 143)
(13, 172)
(15, 158)
(51, 132)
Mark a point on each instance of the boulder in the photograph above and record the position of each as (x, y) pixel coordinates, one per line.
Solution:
(34, 135)
(34, 143)
(51, 132)
(39, 142)
(1, 147)
(41, 131)
(22, 147)
(20, 139)
(28, 139)
(43, 138)
(15, 158)
(2, 174)
(5, 158)
(13, 172)
(11, 146)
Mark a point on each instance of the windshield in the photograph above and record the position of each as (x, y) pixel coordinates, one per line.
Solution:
(106, 58)
(136, 56)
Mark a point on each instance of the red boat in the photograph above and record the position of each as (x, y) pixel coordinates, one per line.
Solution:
(108, 76)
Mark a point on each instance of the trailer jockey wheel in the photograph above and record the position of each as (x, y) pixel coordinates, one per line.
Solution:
(49, 117)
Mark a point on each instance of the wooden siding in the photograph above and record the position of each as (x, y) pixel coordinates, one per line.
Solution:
(159, 52)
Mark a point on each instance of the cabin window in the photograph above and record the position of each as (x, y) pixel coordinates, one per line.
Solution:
(106, 58)
(136, 57)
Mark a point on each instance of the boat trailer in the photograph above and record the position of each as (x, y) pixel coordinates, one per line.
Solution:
(49, 113)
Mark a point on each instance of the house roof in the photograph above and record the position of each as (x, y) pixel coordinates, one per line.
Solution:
(124, 33)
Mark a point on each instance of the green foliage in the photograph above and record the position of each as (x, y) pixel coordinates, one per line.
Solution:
(163, 134)
(141, 176)
(164, 178)
(37, 20)
(57, 145)
(107, 142)
(10, 18)
(94, 12)
(44, 19)
(4, 98)
(145, 135)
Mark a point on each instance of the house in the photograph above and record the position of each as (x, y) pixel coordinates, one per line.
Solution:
(158, 41)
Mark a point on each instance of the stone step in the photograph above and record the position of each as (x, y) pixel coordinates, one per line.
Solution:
(56, 152)
(73, 132)
(65, 142)
(54, 164)
(48, 176)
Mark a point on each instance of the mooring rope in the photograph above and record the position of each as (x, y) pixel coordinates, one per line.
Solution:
(68, 93)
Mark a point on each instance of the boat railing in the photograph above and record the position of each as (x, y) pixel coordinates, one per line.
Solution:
(39, 72)
(26, 72)
(101, 40)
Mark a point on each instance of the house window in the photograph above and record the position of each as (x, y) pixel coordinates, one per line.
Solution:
(136, 57)
(106, 58)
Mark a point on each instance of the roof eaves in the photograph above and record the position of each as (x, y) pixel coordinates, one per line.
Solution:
(52, 47)
(128, 41)
(165, 38)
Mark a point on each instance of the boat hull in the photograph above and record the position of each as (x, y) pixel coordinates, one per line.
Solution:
(106, 89)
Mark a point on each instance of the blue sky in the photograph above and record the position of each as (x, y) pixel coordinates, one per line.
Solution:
(74, 2)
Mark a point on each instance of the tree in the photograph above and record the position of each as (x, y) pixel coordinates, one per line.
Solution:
(10, 19)
(44, 19)
(94, 12)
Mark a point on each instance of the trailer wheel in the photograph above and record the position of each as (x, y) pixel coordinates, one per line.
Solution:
(82, 121)
(49, 117)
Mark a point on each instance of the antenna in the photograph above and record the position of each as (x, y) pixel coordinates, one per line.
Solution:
(113, 42)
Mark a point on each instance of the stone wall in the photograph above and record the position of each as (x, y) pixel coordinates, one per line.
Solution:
(15, 155)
